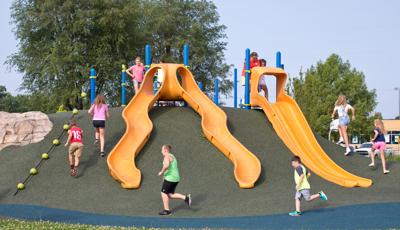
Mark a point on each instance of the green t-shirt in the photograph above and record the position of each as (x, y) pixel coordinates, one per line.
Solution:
(172, 173)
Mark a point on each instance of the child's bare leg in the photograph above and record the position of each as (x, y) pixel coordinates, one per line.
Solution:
(372, 156)
(345, 137)
(136, 85)
(298, 203)
(70, 159)
(383, 161)
(102, 138)
(264, 88)
(313, 197)
(97, 135)
(165, 200)
(77, 158)
(177, 196)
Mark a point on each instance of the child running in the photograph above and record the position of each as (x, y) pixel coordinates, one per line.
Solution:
(75, 147)
(99, 111)
(171, 179)
(136, 72)
(342, 109)
(379, 143)
(303, 187)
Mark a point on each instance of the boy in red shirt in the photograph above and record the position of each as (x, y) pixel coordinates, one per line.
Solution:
(75, 146)
(254, 62)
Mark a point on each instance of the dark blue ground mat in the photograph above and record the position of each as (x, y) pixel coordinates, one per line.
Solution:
(373, 216)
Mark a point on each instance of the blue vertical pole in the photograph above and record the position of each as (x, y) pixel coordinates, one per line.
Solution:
(147, 57)
(201, 86)
(278, 60)
(235, 88)
(123, 83)
(216, 92)
(186, 61)
(186, 55)
(247, 80)
(92, 85)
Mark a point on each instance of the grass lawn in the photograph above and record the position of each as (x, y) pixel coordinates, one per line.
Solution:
(38, 225)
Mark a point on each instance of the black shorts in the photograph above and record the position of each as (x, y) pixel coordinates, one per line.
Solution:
(168, 187)
(99, 123)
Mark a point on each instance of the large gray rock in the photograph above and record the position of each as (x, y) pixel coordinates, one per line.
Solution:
(23, 128)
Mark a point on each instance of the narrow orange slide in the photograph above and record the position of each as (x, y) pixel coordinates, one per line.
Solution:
(121, 160)
(292, 127)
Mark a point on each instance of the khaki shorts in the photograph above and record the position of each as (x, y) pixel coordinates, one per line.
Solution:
(75, 149)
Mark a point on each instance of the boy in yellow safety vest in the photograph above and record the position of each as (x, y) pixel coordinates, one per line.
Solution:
(303, 187)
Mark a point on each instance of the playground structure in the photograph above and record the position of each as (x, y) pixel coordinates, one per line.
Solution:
(285, 116)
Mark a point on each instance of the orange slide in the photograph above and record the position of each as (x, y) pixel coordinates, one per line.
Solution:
(121, 160)
(292, 127)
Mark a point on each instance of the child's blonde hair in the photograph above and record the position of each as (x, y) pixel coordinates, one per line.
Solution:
(99, 100)
(379, 124)
(341, 100)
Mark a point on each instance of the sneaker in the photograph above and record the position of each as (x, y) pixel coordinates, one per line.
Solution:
(294, 213)
(102, 154)
(340, 142)
(188, 200)
(73, 172)
(322, 195)
(165, 213)
(386, 172)
(371, 165)
(96, 142)
(348, 151)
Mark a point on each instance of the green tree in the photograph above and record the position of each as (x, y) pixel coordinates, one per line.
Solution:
(59, 41)
(317, 89)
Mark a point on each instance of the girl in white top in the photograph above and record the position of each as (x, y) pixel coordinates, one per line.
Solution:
(342, 109)
(262, 84)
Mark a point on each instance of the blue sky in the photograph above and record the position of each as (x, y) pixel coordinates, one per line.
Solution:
(367, 33)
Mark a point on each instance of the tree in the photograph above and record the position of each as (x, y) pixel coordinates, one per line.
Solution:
(59, 41)
(317, 89)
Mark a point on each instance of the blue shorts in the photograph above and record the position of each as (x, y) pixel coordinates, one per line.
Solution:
(344, 121)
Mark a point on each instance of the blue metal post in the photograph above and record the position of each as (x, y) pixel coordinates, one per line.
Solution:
(201, 86)
(186, 55)
(147, 57)
(235, 88)
(247, 81)
(92, 85)
(278, 60)
(123, 83)
(216, 92)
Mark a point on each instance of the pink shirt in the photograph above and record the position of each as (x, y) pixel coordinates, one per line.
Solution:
(137, 72)
(99, 112)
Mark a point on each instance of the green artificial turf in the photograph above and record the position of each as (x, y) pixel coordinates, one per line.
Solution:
(206, 173)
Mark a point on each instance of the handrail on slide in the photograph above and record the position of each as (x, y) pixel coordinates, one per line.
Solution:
(292, 127)
(121, 160)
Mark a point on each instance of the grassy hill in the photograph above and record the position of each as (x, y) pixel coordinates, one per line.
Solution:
(205, 172)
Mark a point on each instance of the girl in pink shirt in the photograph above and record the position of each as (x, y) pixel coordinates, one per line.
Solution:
(99, 112)
(136, 72)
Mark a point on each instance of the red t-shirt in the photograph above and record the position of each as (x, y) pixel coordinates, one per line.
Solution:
(253, 63)
(76, 134)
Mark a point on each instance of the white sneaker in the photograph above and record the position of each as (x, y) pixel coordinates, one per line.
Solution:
(348, 151)
(340, 141)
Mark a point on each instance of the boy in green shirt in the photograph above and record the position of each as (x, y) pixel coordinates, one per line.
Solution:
(171, 179)
(303, 187)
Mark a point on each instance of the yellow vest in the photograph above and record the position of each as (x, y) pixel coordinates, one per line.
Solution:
(304, 184)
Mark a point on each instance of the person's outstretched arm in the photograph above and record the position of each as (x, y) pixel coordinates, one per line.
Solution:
(69, 138)
(375, 135)
(353, 112)
(90, 111)
(165, 166)
(333, 113)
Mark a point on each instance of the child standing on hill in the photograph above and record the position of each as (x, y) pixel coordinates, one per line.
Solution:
(379, 143)
(136, 72)
(75, 146)
(171, 179)
(99, 111)
(303, 187)
(342, 109)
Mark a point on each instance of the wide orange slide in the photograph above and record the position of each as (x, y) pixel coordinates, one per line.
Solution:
(121, 160)
(292, 127)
